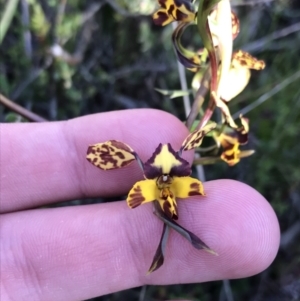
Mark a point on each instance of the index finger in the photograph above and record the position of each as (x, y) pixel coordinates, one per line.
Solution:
(45, 163)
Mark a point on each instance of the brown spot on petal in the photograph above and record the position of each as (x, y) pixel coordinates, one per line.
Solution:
(195, 189)
(136, 198)
(247, 60)
(195, 138)
(161, 18)
(110, 154)
(169, 211)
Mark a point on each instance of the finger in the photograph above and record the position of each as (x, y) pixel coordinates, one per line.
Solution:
(75, 253)
(45, 163)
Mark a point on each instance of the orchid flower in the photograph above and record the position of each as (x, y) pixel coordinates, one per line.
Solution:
(167, 177)
(174, 10)
(231, 140)
(239, 74)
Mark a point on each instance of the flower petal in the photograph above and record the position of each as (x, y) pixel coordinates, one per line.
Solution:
(231, 151)
(166, 161)
(158, 258)
(167, 202)
(213, 25)
(191, 237)
(239, 74)
(247, 60)
(162, 18)
(174, 10)
(111, 154)
(235, 82)
(235, 23)
(243, 130)
(187, 58)
(231, 155)
(194, 139)
(185, 187)
(142, 192)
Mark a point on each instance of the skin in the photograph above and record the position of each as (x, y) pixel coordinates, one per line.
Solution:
(75, 253)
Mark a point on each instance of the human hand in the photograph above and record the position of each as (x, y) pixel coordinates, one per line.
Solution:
(75, 253)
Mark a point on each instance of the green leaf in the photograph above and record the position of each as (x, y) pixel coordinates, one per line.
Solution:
(173, 93)
(207, 160)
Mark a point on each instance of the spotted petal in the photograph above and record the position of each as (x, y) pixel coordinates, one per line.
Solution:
(239, 74)
(194, 139)
(185, 187)
(231, 150)
(168, 204)
(166, 161)
(174, 10)
(142, 192)
(247, 60)
(111, 154)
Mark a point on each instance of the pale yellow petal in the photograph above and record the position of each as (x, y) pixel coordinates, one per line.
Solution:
(235, 82)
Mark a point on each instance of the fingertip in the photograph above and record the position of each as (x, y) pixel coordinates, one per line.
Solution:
(246, 232)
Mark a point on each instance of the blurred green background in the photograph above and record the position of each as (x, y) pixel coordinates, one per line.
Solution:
(112, 57)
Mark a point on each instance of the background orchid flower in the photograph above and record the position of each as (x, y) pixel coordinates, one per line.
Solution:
(174, 10)
(184, 12)
(239, 74)
(231, 149)
(231, 140)
(166, 178)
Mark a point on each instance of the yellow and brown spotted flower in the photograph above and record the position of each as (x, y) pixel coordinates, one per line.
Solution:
(239, 74)
(174, 10)
(231, 149)
(166, 172)
(231, 142)
(167, 177)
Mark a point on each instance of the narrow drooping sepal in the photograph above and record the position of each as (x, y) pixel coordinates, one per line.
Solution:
(194, 139)
(111, 154)
(158, 258)
(174, 10)
(191, 237)
(142, 192)
(165, 161)
(189, 59)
